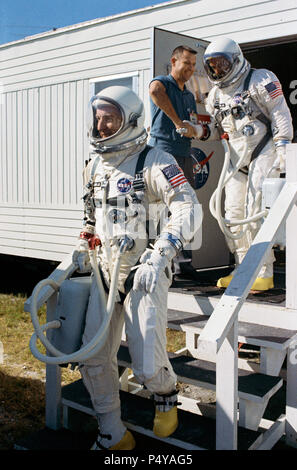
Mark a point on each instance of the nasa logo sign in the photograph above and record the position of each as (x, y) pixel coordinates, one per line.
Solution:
(124, 185)
(200, 167)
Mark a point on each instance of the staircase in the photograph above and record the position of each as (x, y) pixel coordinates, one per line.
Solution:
(197, 431)
(214, 325)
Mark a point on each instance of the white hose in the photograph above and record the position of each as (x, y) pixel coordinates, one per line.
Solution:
(215, 200)
(98, 340)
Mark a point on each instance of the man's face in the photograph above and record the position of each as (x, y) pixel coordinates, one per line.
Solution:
(220, 66)
(108, 120)
(183, 66)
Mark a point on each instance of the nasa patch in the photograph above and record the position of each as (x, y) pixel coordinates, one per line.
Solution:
(237, 98)
(200, 167)
(124, 185)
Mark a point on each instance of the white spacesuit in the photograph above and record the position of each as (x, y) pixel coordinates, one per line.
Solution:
(127, 186)
(250, 107)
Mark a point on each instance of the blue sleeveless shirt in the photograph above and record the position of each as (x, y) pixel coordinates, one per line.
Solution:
(163, 133)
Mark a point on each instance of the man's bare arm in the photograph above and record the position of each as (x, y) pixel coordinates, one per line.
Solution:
(159, 96)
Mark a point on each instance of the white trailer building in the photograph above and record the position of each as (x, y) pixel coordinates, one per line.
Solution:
(47, 80)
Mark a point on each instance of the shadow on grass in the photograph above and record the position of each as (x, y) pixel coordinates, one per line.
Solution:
(22, 405)
(22, 274)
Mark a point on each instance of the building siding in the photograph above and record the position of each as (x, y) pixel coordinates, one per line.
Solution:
(46, 90)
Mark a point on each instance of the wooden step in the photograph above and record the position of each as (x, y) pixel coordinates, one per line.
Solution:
(248, 333)
(255, 387)
(257, 311)
(194, 431)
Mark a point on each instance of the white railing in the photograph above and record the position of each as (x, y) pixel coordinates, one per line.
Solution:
(53, 372)
(220, 335)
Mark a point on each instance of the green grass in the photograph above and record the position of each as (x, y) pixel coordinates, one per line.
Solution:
(16, 330)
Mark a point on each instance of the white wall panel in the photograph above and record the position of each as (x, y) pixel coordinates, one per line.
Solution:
(46, 233)
(43, 145)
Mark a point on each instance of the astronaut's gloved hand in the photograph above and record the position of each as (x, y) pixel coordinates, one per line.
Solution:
(153, 263)
(198, 131)
(280, 161)
(187, 129)
(80, 256)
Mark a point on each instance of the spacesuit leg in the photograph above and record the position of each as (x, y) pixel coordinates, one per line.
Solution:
(182, 263)
(257, 173)
(235, 200)
(100, 373)
(243, 199)
(235, 204)
(146, 322)
(101, 378)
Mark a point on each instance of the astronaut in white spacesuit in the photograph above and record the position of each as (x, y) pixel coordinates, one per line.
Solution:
(127, 185)
(248, 105)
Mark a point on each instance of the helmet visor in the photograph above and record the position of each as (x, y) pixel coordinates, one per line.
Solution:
(218, 66)
(106, 119)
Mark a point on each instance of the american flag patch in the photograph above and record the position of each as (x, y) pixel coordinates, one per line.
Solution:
(174, 175)
(274, 89)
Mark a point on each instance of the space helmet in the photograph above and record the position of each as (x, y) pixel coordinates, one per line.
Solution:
(224, 62)
(115, 120)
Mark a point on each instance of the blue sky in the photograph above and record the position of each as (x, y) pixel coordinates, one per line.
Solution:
(20, 18)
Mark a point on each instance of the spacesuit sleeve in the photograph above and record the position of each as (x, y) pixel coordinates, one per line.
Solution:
(213, 133)
(166, 183)
(267, 92)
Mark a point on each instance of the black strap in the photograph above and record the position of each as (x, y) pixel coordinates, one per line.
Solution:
(141, 159)
(115, 201)
(247, 80)
(138, 183)
(262, 118)
(258, 149)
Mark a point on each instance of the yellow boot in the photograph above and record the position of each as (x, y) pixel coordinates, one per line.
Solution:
(165, 422)
(224, 281)
(126, 443)
(263, 283)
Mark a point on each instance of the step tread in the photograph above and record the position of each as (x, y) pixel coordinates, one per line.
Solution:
(204, 372)
(276, 296)
(248, 332)
(138, 411)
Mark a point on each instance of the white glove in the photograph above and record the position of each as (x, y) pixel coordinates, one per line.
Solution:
(197, 129)
(280, 161)
(80, 256)
(153, 263)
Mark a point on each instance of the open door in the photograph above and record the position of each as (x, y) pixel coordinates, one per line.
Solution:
(214, 251)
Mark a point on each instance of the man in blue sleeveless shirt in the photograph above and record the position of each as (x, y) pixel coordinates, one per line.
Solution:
(171, 105)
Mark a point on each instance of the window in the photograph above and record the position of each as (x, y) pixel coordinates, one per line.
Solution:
(129, 80)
